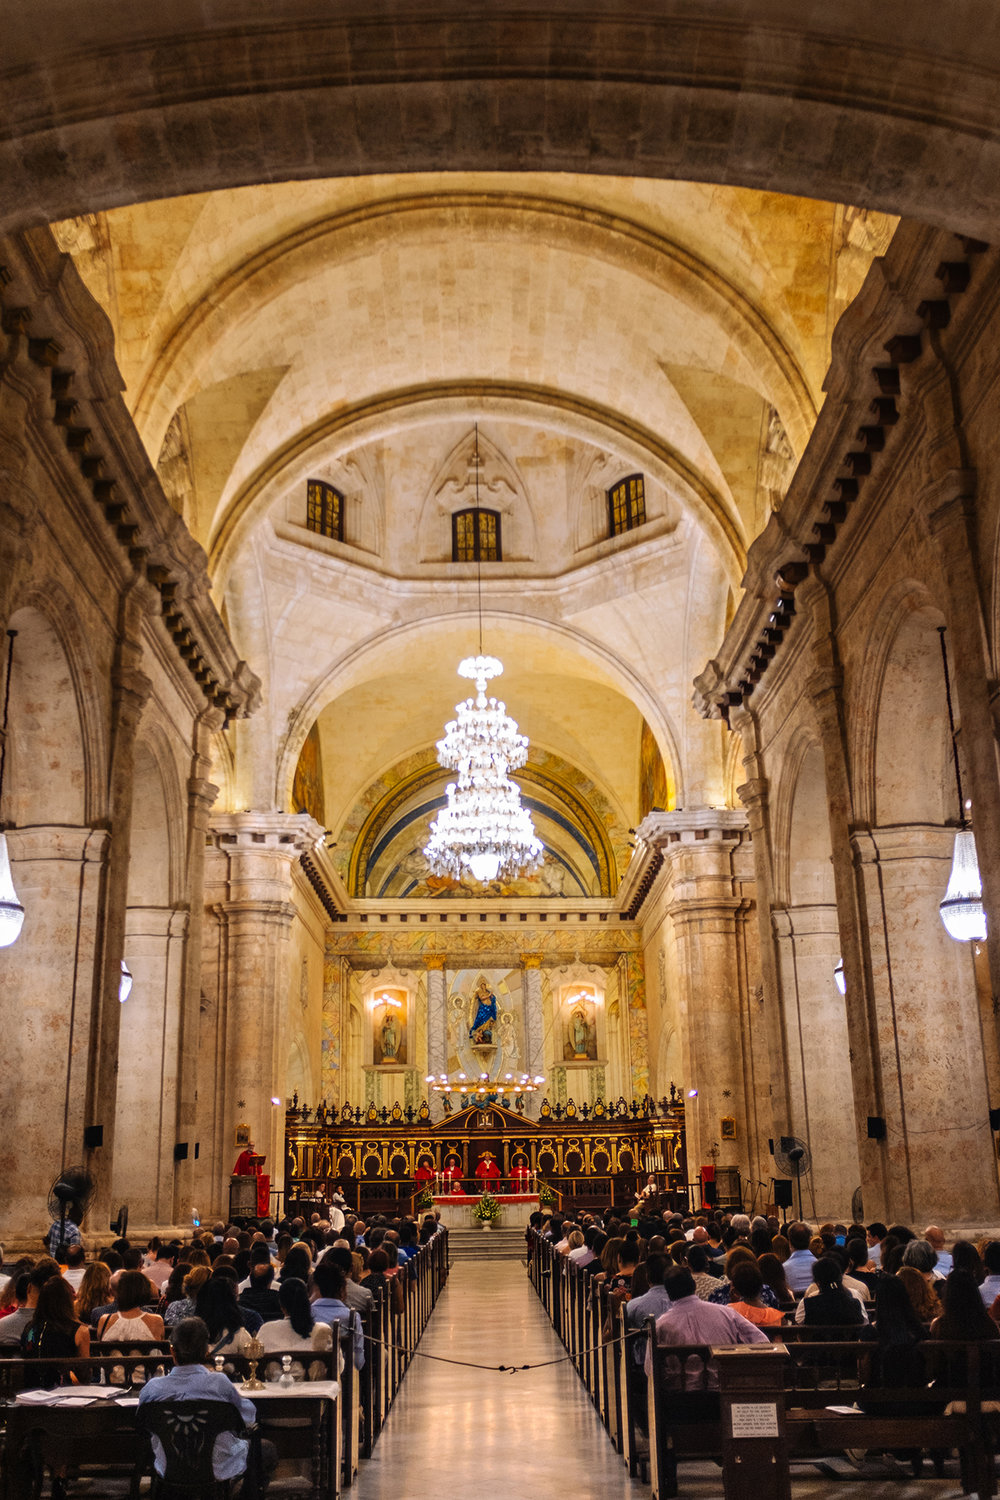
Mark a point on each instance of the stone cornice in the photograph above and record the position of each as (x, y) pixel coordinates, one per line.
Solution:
(906, 300)
(55, 335)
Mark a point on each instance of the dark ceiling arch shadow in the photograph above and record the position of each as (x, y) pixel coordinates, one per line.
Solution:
(891, 106)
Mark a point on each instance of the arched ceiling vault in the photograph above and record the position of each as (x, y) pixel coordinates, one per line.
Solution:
(324, 247)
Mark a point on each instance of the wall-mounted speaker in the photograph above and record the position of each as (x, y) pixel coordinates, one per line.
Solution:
(995, 1119)
(876, 1128)
(181, 1151)
(93, 1136)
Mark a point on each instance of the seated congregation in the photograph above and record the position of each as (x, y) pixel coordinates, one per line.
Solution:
(328, 1315)
(881, 1346)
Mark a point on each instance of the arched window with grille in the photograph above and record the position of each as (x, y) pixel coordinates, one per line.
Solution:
(475, 536)
(324, 509)
(627, 504)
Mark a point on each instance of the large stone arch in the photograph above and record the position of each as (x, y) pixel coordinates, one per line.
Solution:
(905, 621)
(394, 642)
(871, 105)
(54, 666)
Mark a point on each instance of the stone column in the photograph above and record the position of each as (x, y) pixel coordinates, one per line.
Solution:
(701, 850)
(818, 1051)
(255, 981)
(201, 800)
(950, 509)
(754, 796)
(130, 691)
(48, 979)
(437, 1027)
(534, 1024)
(148, 1072)
(825, 691)
(938, 1144)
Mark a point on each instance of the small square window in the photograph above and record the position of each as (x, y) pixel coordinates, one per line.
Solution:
(475, 536)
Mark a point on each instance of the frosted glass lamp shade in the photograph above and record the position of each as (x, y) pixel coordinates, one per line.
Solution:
(838, 976)
(11, 910)
(485, 866)
(962, 908)
(125, 983)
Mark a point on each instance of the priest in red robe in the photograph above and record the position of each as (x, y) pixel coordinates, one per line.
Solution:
(488, 1172)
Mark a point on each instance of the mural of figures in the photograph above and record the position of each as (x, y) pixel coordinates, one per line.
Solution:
(389, 1030)
(485, 1022)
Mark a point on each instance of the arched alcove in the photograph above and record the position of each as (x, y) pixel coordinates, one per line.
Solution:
(939, 1083)
(821, 1091)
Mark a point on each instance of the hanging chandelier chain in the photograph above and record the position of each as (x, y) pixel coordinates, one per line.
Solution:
(6, 712)
(479, 550)
(951, 722)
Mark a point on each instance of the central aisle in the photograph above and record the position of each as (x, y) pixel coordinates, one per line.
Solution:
(458, 1431)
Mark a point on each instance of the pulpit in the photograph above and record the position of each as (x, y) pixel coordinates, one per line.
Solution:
(249, 1187)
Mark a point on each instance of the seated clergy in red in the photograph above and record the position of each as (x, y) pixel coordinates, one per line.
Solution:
(424, 1173)
(451, 1176)
(487, 1171)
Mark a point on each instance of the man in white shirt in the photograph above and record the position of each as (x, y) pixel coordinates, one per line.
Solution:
(935, 1238)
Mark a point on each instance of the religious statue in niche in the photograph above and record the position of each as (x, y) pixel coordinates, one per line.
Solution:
(389, 1031)
(484, 1017)
(581, 1035)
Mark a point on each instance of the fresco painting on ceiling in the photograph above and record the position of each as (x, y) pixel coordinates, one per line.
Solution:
(389, 1029)
(412, 877)
(654, 790)
(307, 787)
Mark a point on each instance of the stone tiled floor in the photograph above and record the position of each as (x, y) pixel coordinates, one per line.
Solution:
(467, 1432)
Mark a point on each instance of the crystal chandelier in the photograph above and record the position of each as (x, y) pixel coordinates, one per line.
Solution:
(962, 910)
(483, 829)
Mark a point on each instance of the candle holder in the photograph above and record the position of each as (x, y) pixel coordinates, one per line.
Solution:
(255, 1350)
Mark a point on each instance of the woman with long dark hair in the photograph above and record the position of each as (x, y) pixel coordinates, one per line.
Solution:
(964, 1315)
(296, 1329)
(297, 1264)
(217, 1306)
(831, 1305)
(55, 1332)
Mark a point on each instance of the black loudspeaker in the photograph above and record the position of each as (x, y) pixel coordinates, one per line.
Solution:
(93, 1136)
(197, 1149)
(876, 1128)
(782, 1192)
(709, 1194)
(181, 1151)
(770, 1145)
(995, 1119)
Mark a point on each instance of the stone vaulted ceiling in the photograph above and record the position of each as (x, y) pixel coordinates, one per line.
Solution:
(359, 330)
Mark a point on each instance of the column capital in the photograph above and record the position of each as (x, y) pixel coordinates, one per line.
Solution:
(435, 961)
(661, 830)
(289, 834)
(532, 960)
